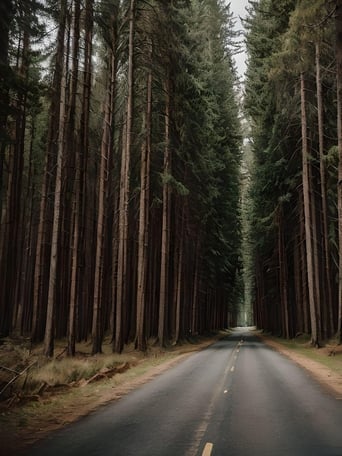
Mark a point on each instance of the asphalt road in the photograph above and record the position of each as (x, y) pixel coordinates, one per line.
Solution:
(238, 397)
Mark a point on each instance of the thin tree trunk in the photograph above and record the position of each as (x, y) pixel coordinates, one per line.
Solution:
(106, 146)
(143, 235)
(124, 192)
(49, 328)
(308, 220)
(326, 249)
(37, 276)
(61, 82)
(304, 273)
(73, 141)
(165, 224)
(283, 274)
(195, 293)
(299, 320)
(316, 263)
(84, 289)
(29, 242)
(179, 279)
(338, 21)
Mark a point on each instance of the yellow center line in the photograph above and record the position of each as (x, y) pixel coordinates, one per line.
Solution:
(208, 449)
(217, 393)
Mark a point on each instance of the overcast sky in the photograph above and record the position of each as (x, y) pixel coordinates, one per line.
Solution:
(238, 8)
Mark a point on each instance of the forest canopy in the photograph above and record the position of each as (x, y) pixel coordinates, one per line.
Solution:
(293, 103)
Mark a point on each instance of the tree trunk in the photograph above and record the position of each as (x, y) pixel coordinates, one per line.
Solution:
(22, 324)
(283, 280)
(179, 278)
(315, 252)
(49, 327)
(304, 269)
(85, 285)
(338, 21)
(143, 235)
(163, 293)
(195, 292)
(106, 147)
(315, 336)
(297, 273)
(73, 141)
(326, 250)
(124, 192)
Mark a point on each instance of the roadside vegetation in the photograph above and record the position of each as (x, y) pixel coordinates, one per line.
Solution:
(55, 392)
(27, 375)
(330, 355)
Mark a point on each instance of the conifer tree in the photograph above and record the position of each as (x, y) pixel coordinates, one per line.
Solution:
(338, 22)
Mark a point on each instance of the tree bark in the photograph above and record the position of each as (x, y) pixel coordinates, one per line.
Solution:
(338, 22)
(85, 287)
(325, 229)
(106, 147)
(283, 279)
(195, 291)
(124, 192)
(49, 327)
(315, 336)
(179, 279)
(163, 293)
(304, 269)
(143, 235)
(73, 140)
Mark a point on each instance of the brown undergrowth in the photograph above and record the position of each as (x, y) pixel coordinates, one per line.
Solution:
(52, 393)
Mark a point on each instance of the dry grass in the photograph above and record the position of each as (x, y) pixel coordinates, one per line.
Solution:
(16, 355)
(42, 374)
(324, 364)
(31, 416)
(330, 355)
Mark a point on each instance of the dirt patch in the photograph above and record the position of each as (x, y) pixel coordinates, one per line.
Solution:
(328, 377)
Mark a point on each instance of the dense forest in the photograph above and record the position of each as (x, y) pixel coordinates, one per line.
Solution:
(293, 103)
(143, 196)
(119, 171)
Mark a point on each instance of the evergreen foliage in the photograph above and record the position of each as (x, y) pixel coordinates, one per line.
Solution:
(92, 104)
(289, 42)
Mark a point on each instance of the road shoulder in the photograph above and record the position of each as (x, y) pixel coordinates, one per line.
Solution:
(326, 377)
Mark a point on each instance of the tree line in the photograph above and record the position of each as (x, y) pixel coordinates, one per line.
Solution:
(119, 171)
(293, 101)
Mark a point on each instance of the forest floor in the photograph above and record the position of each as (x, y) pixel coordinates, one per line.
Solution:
(31, 412)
